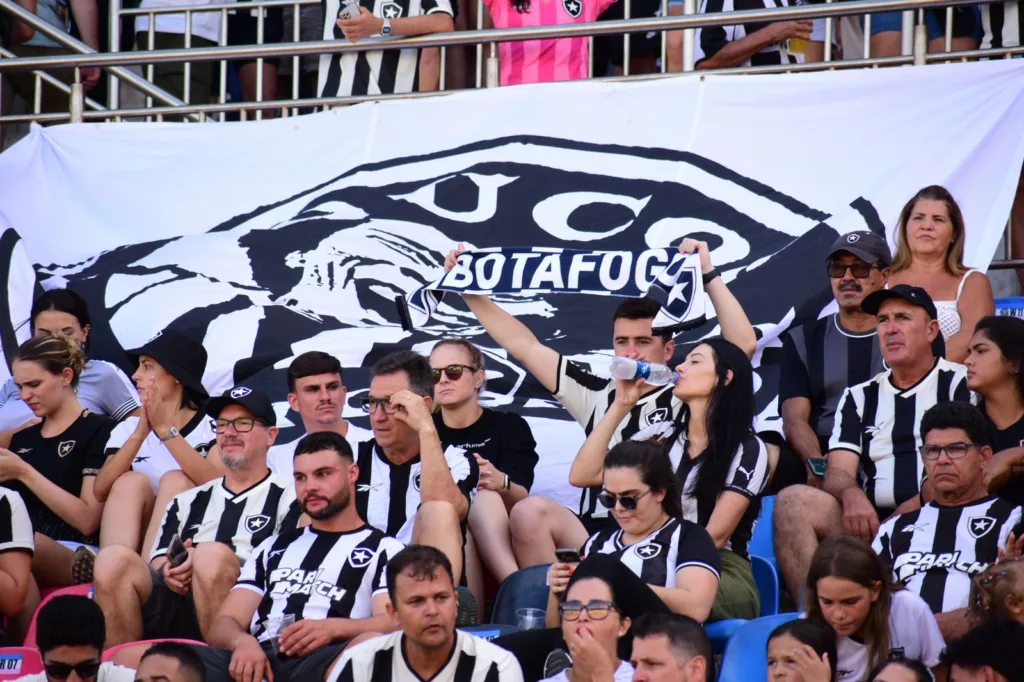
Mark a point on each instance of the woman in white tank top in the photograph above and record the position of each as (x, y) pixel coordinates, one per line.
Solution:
(929, 254)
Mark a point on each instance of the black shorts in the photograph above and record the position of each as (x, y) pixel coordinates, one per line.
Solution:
(243, 30)
(609, 48)
(167, 614)
(309, 668)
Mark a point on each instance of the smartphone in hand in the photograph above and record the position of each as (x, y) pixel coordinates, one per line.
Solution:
(567, 556)
(177, 553)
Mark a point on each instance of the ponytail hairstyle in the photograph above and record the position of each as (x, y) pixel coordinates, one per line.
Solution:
(850, 558)
(650, 462)
(728, 420)
(54, 354)
(993, 589)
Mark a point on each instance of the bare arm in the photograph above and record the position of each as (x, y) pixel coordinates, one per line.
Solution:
(517, 339)
(23, 31)
(728, 511)
(736, 327)
(588, 465)
(975, 303)
(841, 473)
(859, 515)
(231, 626)
(88, 24)
(118, 463)
(15, 574)
(198, 468)
(696, 598)
(435, 22)
(82, 513)
(796, 425)
(952, 624)
(436, 481)
(736, 52)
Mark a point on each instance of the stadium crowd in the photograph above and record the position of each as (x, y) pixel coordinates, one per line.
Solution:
(352, 554)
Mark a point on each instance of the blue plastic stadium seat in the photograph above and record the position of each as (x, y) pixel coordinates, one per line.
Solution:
(745, 657)
(720, 632)
(767, 580)
(489, 631)
(523, 589)
(762, 543)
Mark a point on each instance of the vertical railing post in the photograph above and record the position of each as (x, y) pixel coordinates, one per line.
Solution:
(907, 34)
(920, 40)
(492, 67)
(114, 29)
(689, 35)
(77, 98)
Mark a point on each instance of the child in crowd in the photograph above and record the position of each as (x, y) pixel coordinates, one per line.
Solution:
(998, 592)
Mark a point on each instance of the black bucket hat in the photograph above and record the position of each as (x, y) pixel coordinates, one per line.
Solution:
(183, 358)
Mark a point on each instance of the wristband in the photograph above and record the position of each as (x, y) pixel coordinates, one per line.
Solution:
(508, 484)
(710, 275)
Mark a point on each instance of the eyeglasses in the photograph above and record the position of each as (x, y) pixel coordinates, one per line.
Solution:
(371, 404)
(596, 609)
(859, 270)
(628, 502)
(953, 451)
(62, 671)
(453, 372)
(242, 424)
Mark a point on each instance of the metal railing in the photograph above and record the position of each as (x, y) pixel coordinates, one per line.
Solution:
(159, 103)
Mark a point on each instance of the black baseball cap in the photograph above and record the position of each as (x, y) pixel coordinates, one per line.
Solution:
(915, 295)
(866, 245)
(251, 399)
(182, 357)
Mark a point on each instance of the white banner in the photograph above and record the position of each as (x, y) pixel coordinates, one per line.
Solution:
(269, 239)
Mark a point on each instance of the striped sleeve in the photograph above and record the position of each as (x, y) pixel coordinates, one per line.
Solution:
(117, 394)
(696, 548)
(465, 470)
(751, 468)
(849, 426)
(15, 526)
(254, 573)
(120, 435)
(589, 545)
(170, 526)
(578, 389)
(882, 544)
(713, 38)
(389, 547)
(434, 6)
(960, 390)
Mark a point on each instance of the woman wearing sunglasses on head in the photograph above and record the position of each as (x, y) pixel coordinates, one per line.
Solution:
(502, 444)
(722, 467)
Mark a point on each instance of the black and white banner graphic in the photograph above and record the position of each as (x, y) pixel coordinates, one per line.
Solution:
(668, 276)
(269, 239)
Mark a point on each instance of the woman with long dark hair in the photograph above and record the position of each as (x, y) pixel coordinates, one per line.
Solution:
(995, 372)
(901, 671)
(722, 466)
(802, 651)
(930, 240)
(102, 388)
(849, 589)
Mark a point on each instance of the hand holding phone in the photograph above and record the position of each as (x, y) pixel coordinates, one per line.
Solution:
(176, 553)
(567, 556)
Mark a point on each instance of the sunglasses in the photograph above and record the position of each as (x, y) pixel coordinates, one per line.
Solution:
(596, 609)
(859, 270)
(370, 405)
(628, 502)
(453, 372)
(931, 453)
(62, 671)
(242, 424)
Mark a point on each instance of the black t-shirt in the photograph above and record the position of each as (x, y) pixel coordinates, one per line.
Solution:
(1010, 437)
(65, 460)
(502, 438)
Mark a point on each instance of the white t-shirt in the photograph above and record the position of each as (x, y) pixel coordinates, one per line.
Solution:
(623, 674)
(154, 459)
(281, 458)
(913, 634)
(108, 673)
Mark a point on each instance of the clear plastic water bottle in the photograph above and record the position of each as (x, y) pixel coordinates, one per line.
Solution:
(651, 372)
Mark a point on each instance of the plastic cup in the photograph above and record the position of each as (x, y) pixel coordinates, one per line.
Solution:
(530, 619)
(274, 627)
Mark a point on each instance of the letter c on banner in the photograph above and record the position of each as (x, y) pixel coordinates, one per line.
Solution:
(643, 278)
(460, 276)
(552, 214)
(624, 271)
(497, 263)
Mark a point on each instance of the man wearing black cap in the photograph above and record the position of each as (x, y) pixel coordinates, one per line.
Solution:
(206, 535)
(824, 357)
(874, 468)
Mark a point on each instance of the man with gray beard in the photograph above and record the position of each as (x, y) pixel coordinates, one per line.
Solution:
(206, 535)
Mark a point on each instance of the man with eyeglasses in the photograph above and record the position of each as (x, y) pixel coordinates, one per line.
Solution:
(69, 635)
(938, 549)
(874, 468)
(206, 535)
(409, 486)
(824, 357)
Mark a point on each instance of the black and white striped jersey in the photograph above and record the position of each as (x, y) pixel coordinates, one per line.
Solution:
(1002, 25)
(661, 555)
(212, 513)
(314, 574)
(882, 424)
(281, 458)
(379, 71)
(587, 397)
(936, 550)
(15, 526)
(748, 475)
(388, 495)
(712, 39)
(382, 659)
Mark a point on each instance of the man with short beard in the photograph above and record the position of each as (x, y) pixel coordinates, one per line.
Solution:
(329, 577)
(206, 535)
(316, 391)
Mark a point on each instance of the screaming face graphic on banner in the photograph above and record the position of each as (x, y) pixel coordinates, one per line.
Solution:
(322, 269)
